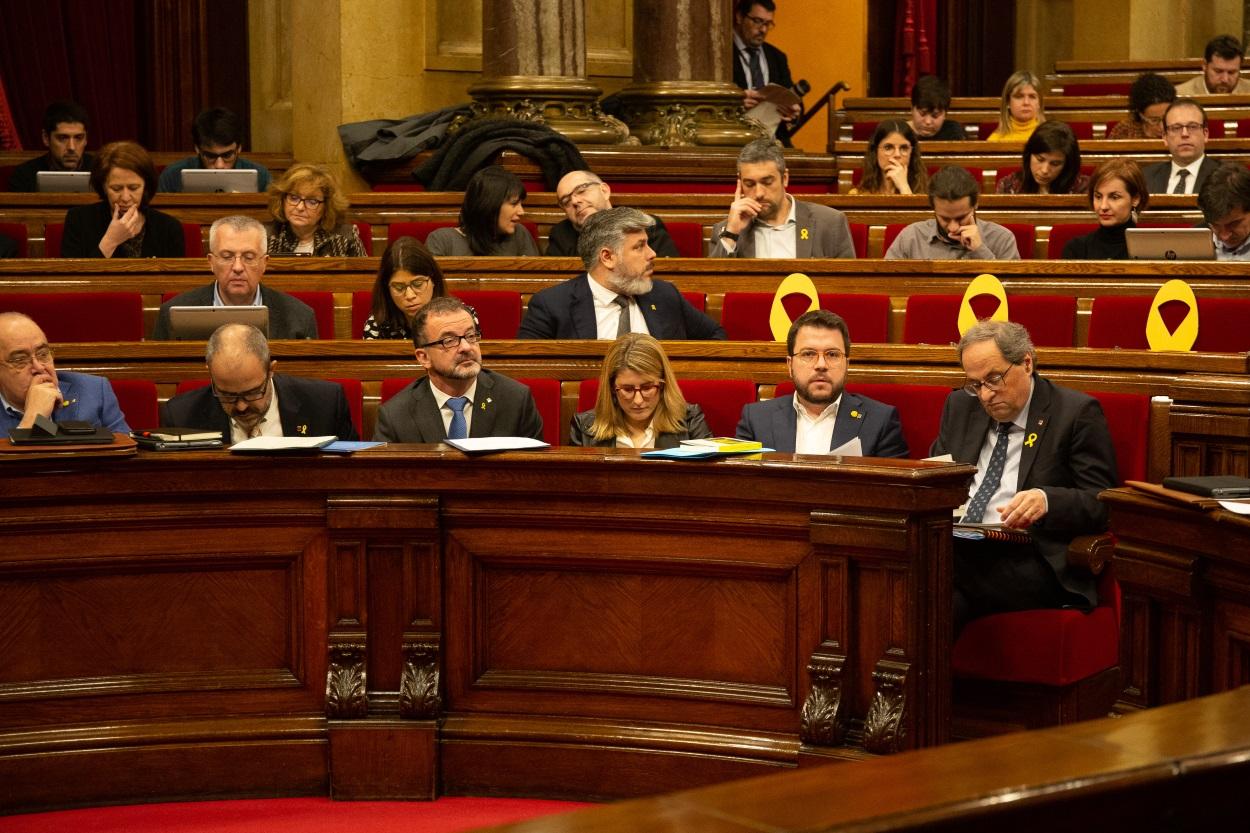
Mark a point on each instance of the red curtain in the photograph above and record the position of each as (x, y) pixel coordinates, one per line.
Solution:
(8, 130)
(914, 42)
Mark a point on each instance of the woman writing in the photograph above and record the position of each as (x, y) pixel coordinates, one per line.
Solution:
(308, 210)
(1117, 192)
(892, 163)
(123, 223)
(408, 277)
(490, 219)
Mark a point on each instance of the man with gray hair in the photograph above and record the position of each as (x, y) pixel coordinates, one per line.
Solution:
(1043, 453)
(617, 295)
(766, 222)
(245, 398)
(1225, 204)
(238, 247)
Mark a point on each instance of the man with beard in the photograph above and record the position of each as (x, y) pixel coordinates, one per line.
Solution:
(821, 416)
(457, 398)
(579, 195)
(617, 295)
(1221, 70)
(765, 221)
(246, 399)
(954, 233)
(65, 136)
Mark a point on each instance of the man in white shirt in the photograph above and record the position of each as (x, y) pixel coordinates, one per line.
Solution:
(1221, 70)
(1185, 136)
(1225, 204)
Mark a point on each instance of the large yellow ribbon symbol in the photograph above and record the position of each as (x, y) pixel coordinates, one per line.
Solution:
(982, 285)
(1187, 333)
(800, 284)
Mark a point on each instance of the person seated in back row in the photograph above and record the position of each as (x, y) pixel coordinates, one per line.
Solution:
(579, 195)
(1148, 100)
(218, 138)
(1221, 70)
(954, 233)
(930, 100)
(1050, 164)
(310, 215)
(490, 219)
(65, 136)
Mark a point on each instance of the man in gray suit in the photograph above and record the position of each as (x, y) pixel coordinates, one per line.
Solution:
(237, 255)
(821, 417)
(1185, 135)
(766, 222)
(457, 398)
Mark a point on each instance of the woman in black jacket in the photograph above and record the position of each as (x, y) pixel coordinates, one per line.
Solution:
(123, 223)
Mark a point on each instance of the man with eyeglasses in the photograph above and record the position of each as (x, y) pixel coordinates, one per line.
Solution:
(1185, 136)
(757, 63)
(579, 195)
(821, 416)
(457, 398)
(617, 294)
(237, 246)
(245, 398)
(31, 386)
(1043, 453)
(218, 137)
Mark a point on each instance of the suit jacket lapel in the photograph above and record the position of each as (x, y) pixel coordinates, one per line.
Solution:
(651, 314)
(976, 428)
(785, 425)
(484, 408)
(582, 310)
(425, 413)
(1039, 418)
(850, 420)
(289, 410)
(803, 234)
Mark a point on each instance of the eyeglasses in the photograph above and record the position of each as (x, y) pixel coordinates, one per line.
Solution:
(993, 383)
(761, 23)
(415, 285)
(294, 200)
(224, 156)
(247, 396)
(564, 201)
(810, 356)
(452, 342)
(24, 360)
(647, 389)
(248, 258)
(1187, 127)
(1153, 121)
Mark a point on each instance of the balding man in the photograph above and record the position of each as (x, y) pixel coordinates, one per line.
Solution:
(31, 386)
(580, 194)
(246, 399)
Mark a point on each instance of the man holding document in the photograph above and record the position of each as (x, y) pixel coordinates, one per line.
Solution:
(246, 399)
(457, 399)
(821, 417)
(1043, 453)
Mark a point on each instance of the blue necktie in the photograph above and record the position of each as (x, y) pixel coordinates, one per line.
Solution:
(993, 476)
(458, 430)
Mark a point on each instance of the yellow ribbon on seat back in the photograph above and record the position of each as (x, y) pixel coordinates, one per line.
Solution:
(982, 285)
(778, 319)
(1186, 334)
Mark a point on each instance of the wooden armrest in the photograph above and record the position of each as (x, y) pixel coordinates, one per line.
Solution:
(1091, 552)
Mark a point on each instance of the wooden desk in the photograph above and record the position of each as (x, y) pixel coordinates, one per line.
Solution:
(1185, 574)
(573, 622)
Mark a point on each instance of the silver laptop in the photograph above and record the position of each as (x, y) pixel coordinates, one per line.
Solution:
(198, 323)
(63, 182)
(1170, 244)
(220, 181)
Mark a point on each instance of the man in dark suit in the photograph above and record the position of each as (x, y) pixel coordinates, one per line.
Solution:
(821, 417)
(1185, 135)
(1043, 454)
(757, 62)
(65, 136)
(237, 255)
(766, 222)
(617, 295)
(582, 193)
(247, 399)
(457, 398)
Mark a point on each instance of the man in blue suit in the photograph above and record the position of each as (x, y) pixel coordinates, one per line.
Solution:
(617, 295)
(30, 385)
(821, 417)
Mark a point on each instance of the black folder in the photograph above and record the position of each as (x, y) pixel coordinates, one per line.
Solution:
(1223, 486)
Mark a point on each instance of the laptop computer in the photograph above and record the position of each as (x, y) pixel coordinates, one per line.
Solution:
(63, 182)
(198, 323)
(220, 181)
(1170, 244)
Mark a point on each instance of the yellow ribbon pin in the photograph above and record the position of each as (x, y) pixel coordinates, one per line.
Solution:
(802, 234)
(653, 307)
(303, 429)
(1032, 438)
(856, 415)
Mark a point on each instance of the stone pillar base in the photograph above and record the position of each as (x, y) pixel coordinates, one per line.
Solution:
(686, 113)
(568, 106)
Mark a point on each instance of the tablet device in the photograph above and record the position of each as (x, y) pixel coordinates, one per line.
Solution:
(220, 181)
(1170, 244)
(1220, 486)
(63, 182)
(198, 323)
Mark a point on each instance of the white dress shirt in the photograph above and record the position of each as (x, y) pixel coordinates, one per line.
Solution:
(1190, 180)
(270, 424)
(814, 435)
(440, 398)
(608, 312)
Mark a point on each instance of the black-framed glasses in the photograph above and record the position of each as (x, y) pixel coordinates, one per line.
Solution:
(207, 156)
(761, 23)
(452, 342)
(564, 201)
(647, 389)
(254, 395)
(313, 203)
(416, 285)
(993, 383)
(1187, 127)
(22, 361)
(809, 357)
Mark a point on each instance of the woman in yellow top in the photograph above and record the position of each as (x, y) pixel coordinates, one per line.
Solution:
(1022, 109)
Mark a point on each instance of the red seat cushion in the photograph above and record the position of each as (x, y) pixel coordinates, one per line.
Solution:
(696, 299)
(744, 315)
(52, 234)
(919, 409)
(934, 319)
(1120, 321)
(722, 400)
(192, 240)
(138, 401)
(354, 392)
(546, 394)
(1061, 233)
(687, 237)
(498, 311)
(859, 239)
(392, 386)
(362, 308)
(17, 232)
(82, 316)
(322, 304)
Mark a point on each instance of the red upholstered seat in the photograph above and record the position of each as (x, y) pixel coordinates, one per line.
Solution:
(1023, 232)
(859, 239)
(82, 316)
(861, 131)
(498, 311)
(933, 319)
(322, 304)
(138, 401)
(362, 308)
(1061, 233)
(1120, 321)
(1098, 88)
(687, 237)
(52, 234)
(722, 400)
(547, 399)
(365, 230)
(192, 240)
(17, 232)
(392, 386)
(744, 315)
(696, 299)
(919, 409)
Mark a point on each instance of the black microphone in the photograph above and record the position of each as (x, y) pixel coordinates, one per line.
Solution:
(801, 88)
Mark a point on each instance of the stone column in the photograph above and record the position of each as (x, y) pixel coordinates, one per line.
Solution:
(682, 93)
(534, 68)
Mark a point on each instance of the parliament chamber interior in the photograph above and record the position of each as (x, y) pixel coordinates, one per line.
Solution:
(757, 642)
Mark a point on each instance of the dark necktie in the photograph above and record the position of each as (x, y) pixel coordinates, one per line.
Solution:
(993, 476)
(1181, 176)
(458, 430)
(757, 69)
(622, 326)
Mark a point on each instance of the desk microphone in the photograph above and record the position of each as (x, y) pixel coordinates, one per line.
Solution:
(801, 87)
